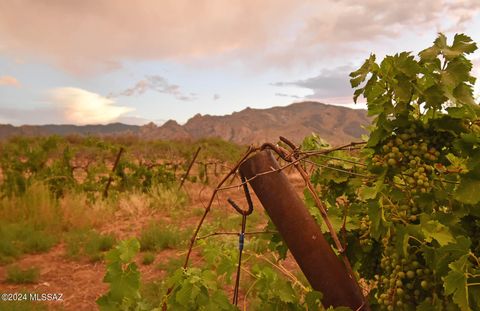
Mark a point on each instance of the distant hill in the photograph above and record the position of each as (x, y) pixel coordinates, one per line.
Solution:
(7, 130)
(333, 123)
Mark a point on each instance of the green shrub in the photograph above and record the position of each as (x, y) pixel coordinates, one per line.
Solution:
(148, 258)
(156, 237)
(17, 275)
(171, 264)
(38, 242)
(17, 239)
(166, 198)
(88, 243)
(8, 251)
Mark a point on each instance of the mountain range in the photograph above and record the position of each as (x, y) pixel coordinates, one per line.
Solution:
(335, 124)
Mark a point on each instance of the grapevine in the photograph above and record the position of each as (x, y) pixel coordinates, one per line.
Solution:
(423, 155)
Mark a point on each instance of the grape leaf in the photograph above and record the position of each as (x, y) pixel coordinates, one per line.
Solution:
(449, 253)
(456, 283)
(313, 300)
(128, 249)
(467, 192)
(367, 193)
(433, 229)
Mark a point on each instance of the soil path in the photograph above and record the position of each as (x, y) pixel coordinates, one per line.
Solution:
(80, 282)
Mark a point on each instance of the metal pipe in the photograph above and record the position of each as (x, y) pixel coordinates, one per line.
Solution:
(321, 266)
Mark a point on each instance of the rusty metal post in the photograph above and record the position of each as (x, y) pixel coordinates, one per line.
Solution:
(321, 266)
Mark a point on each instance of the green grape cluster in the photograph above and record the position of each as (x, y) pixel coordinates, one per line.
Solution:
(411, 154)
(404, 212)
(404, 282)
(364, 232)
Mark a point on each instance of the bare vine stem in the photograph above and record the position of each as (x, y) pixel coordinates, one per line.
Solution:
(341, 160)
(250, 150)
(235, 233)
(304, 156)
(337, 169)
(261, 174)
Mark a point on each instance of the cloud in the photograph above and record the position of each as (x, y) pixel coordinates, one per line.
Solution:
(9, 80)
(330, 83)
(288, 95)
(331, 86)
(70, 105)
(476, 68)
(133, 120)
(350, 21)
(92, 35)
(157, 84)
(83, 107)
(476, 74)
(33, 116)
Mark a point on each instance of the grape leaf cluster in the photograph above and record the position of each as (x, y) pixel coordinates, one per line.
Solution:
(421, 203)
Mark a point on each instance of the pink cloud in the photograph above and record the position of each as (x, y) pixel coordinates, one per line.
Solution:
(98, 35)
(9, 80)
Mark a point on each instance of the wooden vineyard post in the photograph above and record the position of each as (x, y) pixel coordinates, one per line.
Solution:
(205, 167)
(323, 269)
(110, 178)
(189, 168)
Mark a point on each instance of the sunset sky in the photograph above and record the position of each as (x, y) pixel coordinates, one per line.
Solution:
(100, 61)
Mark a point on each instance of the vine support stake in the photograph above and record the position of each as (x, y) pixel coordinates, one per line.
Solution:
(184, 177)
(110, 178)
(321, 266)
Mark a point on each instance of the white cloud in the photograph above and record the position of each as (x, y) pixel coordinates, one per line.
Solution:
(9, 80)
(83, 107)
(135, 120)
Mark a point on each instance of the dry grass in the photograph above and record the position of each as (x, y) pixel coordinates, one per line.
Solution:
(36, 207)
(78, 213)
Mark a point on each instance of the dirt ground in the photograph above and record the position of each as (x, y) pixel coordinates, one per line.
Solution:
(81, 282)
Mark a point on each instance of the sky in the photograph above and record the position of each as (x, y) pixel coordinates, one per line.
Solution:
(103, 61)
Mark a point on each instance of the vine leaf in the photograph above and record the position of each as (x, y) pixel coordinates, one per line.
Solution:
(467, 192)
(433, 229)
(123, 277)
(449, 253)
(313, 299)
(461, 44)
(456, 283)
(183, 296)
(367, 193)
(379, 224)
